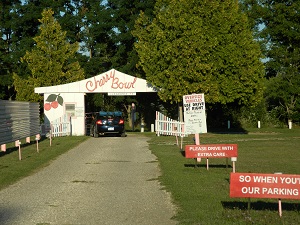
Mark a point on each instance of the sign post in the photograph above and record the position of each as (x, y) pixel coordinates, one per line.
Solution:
(37, 138)
(18, 144)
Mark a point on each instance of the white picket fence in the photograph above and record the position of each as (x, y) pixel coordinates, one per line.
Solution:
(58, 127)
(61, 126)
(168, 127)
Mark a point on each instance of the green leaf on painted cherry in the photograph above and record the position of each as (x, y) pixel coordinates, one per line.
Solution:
(60, 100)
(51, 98)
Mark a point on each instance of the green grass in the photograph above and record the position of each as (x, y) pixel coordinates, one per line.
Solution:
(12, 169)
(202, 195)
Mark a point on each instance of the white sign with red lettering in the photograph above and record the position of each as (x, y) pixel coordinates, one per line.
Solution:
(194, 114)
(112, 82)
(257, 185)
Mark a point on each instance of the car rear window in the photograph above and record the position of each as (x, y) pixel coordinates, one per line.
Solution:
(109, 115)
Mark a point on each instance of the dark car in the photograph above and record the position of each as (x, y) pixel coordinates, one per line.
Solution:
(108, 123)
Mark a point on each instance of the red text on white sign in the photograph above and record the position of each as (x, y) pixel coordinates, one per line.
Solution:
(116, 83)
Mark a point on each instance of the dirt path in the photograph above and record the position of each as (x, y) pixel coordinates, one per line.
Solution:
(107, 180)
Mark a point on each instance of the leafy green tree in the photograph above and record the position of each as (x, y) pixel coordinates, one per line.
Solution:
(109, 42)
(123, 14)
(200, 47)
(8, 54)
(19, 24)
(280, 30)
(51, 62)
(96, 37)
(283, 96)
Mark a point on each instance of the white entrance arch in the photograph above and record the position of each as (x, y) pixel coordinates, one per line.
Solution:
(68, 99)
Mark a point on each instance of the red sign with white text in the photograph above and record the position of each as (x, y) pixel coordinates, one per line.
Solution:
(257, 185)
(211, 151)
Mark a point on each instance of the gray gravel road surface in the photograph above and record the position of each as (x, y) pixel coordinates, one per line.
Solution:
(106, 180)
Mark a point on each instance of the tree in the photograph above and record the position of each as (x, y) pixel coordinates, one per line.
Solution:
(8, 54)
(109, 42)
(123, 14)
(51, 62)
(200, 47)
(96, 36)
(280, 21)
(19, 24)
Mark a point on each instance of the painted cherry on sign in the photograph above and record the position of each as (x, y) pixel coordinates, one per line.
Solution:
(47, 106)
(54, 104)
(53, 101)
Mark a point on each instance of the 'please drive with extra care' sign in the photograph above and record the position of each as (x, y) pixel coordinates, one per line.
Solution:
(256, 185)
(211, 151)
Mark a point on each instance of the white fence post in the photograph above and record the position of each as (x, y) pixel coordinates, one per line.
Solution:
(152, 127)
(290, 124)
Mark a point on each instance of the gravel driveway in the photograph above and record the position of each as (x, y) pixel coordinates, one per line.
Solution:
(106, 180)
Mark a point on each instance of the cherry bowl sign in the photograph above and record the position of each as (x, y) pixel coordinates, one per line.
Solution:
(211, 151)
(68, 100)
(112, 82)
(257, 185)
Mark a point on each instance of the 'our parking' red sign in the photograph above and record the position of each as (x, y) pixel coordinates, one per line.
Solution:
(257, 185)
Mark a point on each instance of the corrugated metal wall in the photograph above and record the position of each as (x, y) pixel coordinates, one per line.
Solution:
(18, 120)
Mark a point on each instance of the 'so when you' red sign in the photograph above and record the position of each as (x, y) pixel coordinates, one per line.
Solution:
(257, 185)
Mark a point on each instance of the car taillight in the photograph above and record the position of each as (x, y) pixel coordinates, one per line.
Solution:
(99, 122)
(121, 121)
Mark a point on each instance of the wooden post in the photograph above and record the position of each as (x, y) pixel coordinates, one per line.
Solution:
(18, 144)
(51, 127)
(180, 109)
(279, 201)
(279, 207)
(249, 205)
(233, 160)
(37, 138)
(20, 154)
(197, 142)
(207, 165)
(233, 166)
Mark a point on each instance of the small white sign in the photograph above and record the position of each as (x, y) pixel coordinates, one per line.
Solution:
(79, 111)
(194, 114)
(121, 93)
